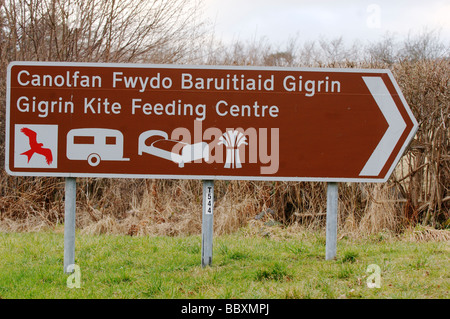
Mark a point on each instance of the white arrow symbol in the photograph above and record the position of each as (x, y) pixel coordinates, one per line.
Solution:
(395, 130)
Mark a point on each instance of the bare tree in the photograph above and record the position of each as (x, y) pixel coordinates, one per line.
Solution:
(425, 45)
(336, 51)
(384, 51)
(108, 30)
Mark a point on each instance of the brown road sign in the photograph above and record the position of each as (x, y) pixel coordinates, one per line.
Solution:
(204, 122)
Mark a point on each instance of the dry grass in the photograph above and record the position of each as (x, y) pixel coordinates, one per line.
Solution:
(426, 233)
(383, 211)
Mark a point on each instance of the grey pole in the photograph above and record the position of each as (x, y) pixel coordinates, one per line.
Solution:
(207, 222)
(69, 223)
(332, 213)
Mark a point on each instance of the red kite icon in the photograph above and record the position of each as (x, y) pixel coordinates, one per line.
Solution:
(36, 147)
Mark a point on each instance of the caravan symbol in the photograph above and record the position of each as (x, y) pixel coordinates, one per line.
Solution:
(95, 145)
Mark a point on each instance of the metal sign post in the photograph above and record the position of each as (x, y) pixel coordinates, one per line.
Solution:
(207, 222)
(332, 213)
(69, 223)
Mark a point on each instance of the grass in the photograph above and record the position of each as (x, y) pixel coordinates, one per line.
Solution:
(244, 266)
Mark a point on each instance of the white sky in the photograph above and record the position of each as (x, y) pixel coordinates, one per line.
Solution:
(366, 20)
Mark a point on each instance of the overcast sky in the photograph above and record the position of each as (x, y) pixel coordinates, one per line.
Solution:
(366, 20)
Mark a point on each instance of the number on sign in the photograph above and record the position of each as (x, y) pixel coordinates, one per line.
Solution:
(209, 203)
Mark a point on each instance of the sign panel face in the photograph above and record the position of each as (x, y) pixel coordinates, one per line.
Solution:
(204, 122)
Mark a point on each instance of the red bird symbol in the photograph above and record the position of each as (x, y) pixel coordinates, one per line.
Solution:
(36, 147)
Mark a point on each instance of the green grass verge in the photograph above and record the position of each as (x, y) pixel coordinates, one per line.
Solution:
(31, 266)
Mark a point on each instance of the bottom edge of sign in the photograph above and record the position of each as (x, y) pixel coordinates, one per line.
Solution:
(203, 177)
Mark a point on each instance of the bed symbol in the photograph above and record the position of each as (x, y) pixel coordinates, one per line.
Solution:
(95, 145)
(157, 143)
